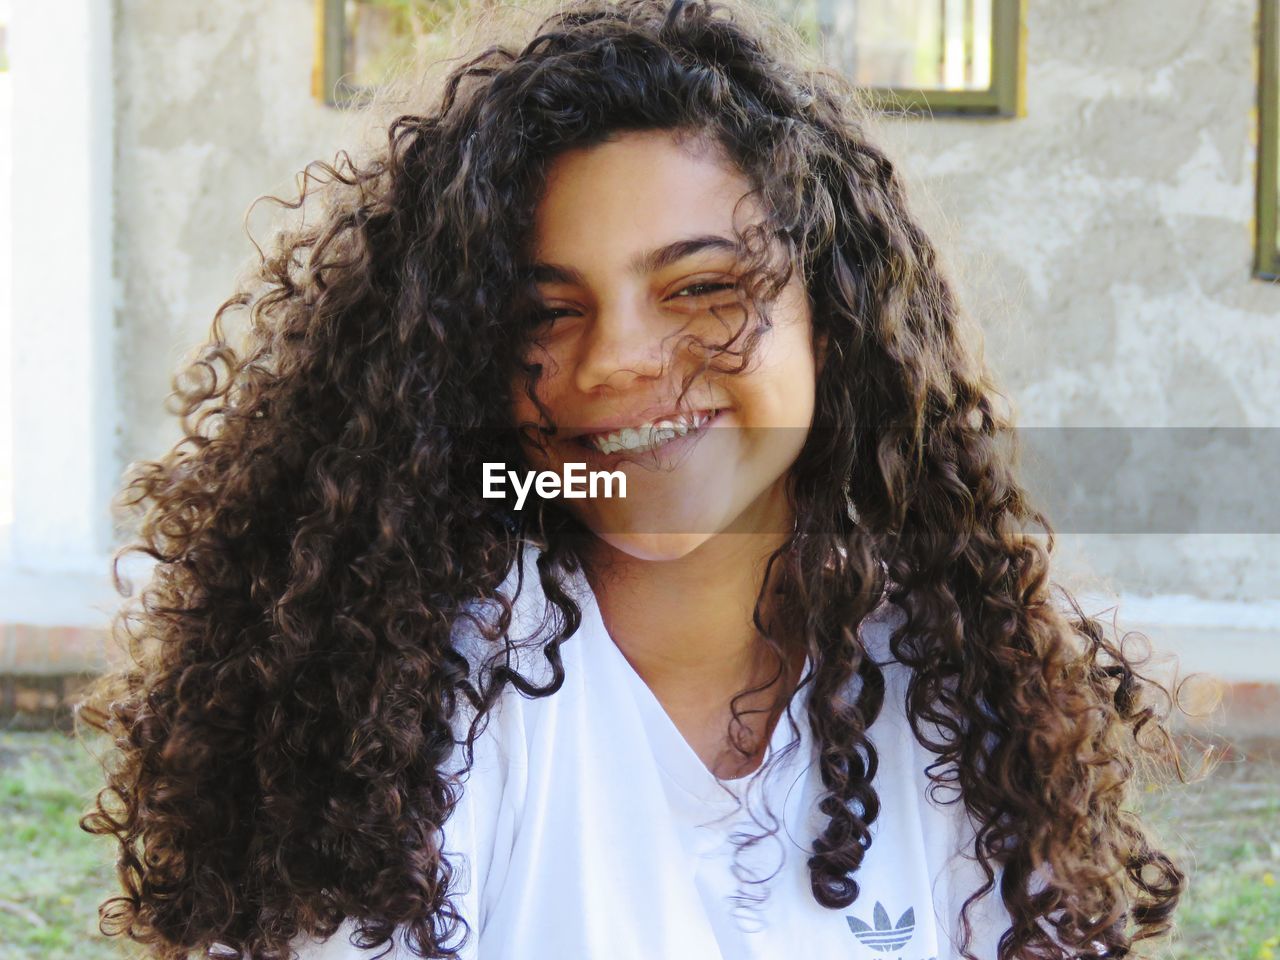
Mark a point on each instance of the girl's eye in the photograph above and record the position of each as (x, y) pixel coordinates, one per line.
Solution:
(548, 316)
(702, 289)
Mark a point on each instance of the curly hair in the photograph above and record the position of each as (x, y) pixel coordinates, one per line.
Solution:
(282, 728)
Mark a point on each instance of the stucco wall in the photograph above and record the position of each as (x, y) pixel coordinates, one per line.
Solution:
(214, 110)
(1103, 241)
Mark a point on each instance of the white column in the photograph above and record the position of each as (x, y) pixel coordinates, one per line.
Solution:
(6, 304)
(63, 299)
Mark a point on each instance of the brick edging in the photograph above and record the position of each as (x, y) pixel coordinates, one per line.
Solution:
(28, 650)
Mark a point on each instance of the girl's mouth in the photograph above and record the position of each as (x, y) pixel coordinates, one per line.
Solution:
(648, 437)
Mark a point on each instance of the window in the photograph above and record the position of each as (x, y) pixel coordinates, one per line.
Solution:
(923, 56)
(360, 42)
(1267, 262)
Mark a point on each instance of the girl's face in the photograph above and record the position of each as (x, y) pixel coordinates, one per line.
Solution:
(632, 248)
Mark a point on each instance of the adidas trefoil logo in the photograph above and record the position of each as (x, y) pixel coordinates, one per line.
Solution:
(884, 936)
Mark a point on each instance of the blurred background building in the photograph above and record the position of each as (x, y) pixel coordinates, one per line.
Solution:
(1099, 176)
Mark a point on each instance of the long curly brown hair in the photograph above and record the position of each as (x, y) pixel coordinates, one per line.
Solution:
(318, 533)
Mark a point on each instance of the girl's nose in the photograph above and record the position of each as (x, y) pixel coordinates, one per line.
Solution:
(624, 342)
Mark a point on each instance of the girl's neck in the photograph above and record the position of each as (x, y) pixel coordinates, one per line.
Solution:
(688, 617)
(686, 625)
(686, 628)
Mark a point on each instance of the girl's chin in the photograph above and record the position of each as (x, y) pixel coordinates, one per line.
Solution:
(655, 528)
(657, 520)
(654, 546)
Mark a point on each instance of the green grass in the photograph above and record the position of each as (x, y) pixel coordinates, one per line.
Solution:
(52, 874)
(1225, 830)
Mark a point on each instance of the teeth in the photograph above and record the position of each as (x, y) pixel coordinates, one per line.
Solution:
(648, 435)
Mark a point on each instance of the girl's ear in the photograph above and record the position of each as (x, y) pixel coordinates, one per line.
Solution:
(820, 344)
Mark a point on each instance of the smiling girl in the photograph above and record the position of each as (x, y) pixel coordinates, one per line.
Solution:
(802, 690)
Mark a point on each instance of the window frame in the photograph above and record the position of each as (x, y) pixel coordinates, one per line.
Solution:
(328, 82)
(1006, 97)
(1266, 264)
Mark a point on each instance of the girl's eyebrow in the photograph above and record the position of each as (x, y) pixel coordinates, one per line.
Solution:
(648, 261)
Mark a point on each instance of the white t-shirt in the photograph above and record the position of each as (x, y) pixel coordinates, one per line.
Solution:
(589, 828)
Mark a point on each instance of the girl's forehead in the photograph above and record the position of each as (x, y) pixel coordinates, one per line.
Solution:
(635, 190)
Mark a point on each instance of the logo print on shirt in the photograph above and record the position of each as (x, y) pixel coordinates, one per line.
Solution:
(884, 936)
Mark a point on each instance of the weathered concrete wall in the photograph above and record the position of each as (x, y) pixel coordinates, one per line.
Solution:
(214, 110)
(1103, 241)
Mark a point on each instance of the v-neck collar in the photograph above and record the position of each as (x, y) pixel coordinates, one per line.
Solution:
(672, 751)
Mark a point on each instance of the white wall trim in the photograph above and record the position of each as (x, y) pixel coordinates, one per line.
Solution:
(1234, 642)
(65, 413)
